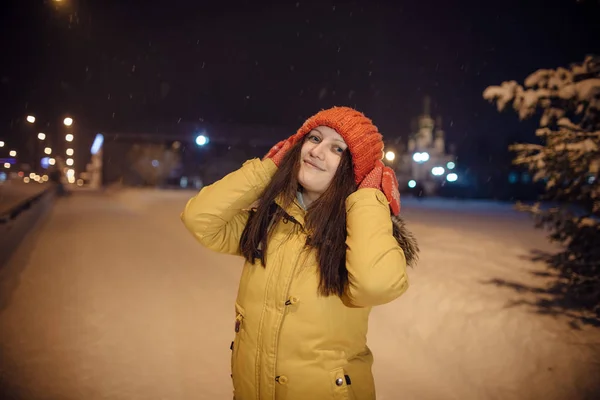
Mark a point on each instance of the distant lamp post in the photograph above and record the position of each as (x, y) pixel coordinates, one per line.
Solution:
(1, 143)
(69, 162)
(6, 165)
(30, 119)
(390, 156)
(69, 152)
(41, 136)
(12, 153)
(69, 137)
(48, 150)
(51, 161)
(68, 121)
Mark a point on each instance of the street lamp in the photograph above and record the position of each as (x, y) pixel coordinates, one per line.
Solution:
(69, 152)
(1, 143)
(51, 161)
(390, 156)
(437, 171)
(48, 150)
(12, 153)
(69, 137)
(69, 162)
(201, 140)
(451, 177)
(30, 119)
(6, 165)
(421, 157)
(68, 121)
(41, 136)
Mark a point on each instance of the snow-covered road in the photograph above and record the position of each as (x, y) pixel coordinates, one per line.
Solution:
(112, 299)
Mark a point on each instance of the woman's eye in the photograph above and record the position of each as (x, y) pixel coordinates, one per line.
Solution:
(339, 150)
(313, 138)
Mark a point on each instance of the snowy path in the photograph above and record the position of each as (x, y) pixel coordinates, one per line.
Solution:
(112, 299)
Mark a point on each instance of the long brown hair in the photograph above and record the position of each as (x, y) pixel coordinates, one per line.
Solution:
(325, 220)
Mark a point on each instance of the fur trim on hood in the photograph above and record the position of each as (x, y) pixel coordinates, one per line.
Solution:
(406, 240)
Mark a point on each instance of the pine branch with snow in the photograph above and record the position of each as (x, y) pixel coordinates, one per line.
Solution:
(568, 161)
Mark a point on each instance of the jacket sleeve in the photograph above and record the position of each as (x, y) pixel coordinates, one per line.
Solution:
(375, 262)
(217, 215)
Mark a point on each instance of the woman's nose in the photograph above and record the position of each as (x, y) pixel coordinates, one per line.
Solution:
(317, 151)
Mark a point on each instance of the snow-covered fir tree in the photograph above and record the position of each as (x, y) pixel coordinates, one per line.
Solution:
(567, 160)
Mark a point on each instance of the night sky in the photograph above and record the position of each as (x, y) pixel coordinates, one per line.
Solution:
(131, 65)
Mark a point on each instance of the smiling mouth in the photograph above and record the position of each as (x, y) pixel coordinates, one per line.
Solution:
(313, 165)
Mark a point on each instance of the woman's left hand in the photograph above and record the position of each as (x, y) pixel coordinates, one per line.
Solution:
(384, 179)
(278, 151)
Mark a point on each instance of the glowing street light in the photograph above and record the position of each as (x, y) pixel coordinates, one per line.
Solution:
(69, 162)
(6, 165)
(437, 171)
(69, 137)
(30, 119)
(68, 121)
(69, 152)
(12, 153)
(421, 157)
(201, 140)
(47, 150)
(51, 161)
(412, 184)
(41, 136)
(450, 165)
(451, 177)
(1, 143)
(390, 156)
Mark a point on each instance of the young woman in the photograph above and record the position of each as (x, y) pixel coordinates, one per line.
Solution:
(316, 221)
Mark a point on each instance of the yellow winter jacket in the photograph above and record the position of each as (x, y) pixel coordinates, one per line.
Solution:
(290, 342)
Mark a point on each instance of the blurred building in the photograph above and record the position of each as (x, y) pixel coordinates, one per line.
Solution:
(423, 165)
(186, 156)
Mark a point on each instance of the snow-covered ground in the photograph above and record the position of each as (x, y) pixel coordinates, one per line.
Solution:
(112, 299)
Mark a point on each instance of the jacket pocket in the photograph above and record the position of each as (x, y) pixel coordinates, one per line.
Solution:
(340, 382)
(240, 315)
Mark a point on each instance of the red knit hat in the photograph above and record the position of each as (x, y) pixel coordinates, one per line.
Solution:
(362, 137)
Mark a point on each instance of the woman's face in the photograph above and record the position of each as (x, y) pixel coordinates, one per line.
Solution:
(319, 159)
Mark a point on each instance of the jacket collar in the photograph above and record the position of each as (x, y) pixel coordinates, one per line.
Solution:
(294, 210)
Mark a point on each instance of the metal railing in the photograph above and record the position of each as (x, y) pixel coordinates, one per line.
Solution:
(18, 219)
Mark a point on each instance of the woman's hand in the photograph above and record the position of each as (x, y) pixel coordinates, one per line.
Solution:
(278, 151)
(384, 179)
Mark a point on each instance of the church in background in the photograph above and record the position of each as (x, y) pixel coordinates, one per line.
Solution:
(422, 165)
